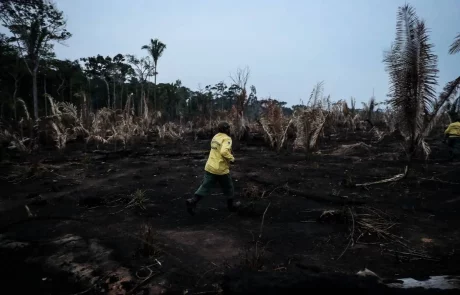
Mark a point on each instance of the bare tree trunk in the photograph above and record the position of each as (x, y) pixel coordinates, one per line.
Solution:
(108, 91)
(148, 91)
(15, 93)
(70, 90)
(155, 89)
(44, 89)
(59, 90)
(35, 91)
(141, 99)
(121, 95)
(114, 95)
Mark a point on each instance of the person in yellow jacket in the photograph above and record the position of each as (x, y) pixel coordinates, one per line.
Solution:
(217, 170)
(452, 135)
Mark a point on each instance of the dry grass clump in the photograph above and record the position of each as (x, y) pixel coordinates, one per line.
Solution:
(275, 124)
(170, 131)
(110, 126)
(13, 141)
(372, 226)
(309, 124)
(106, 126)
(342, 116)
(64, 123)
(138, 199)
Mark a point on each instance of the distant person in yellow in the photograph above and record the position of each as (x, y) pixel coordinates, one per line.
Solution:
(452, 135)
(217, 170)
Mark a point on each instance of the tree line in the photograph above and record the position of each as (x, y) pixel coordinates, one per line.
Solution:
(30, 71)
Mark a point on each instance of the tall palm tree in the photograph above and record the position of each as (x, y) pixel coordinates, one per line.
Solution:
(455, 47)
(412, 68)
(155, 49)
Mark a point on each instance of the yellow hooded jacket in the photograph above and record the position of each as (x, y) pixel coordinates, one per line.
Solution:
(453, 130)
(220, 155)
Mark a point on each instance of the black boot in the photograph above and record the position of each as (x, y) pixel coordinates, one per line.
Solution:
(233, 206)
(191, 204)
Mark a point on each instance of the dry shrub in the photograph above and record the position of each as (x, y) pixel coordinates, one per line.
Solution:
(341, 116)
(390, 119)
(110, 126)
(170, 131)
(274, 124)
(64, 124)
(338, 114)
(138, 199)
(238, 123)
(372, 226)
(13, 141)
(309, 123)
(378, 134)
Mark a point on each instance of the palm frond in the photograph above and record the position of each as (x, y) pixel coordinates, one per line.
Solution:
(24, 107)
(455, 46)
(427, 67)
(448, 94)
(413, 73)
(444, 103)
(155, 48)
(316, 94)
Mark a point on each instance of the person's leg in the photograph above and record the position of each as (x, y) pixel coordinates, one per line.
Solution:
(451, 145)
(455, 147)
(203, 191)
(226, 183)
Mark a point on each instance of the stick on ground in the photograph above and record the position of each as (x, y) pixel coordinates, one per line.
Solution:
(263, 219)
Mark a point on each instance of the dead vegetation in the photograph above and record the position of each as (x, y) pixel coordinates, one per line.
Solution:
(150, 246)
(275, 125)
(138, 200)
(253, 192)
(374, 227)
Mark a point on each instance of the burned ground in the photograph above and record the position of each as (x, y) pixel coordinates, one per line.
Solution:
(115, 222)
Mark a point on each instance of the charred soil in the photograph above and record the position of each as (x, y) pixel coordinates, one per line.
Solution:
(115, 222)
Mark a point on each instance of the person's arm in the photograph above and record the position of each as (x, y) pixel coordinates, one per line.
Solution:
(226, 149)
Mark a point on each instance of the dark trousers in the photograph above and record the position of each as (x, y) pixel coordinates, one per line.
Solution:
(211, 180)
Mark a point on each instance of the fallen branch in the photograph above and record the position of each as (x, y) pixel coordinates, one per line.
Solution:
(439, 180)
(263, 220)
(414, 254)
(392, 179)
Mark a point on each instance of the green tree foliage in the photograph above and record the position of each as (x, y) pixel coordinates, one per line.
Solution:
(35, 25)
(98, 81)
